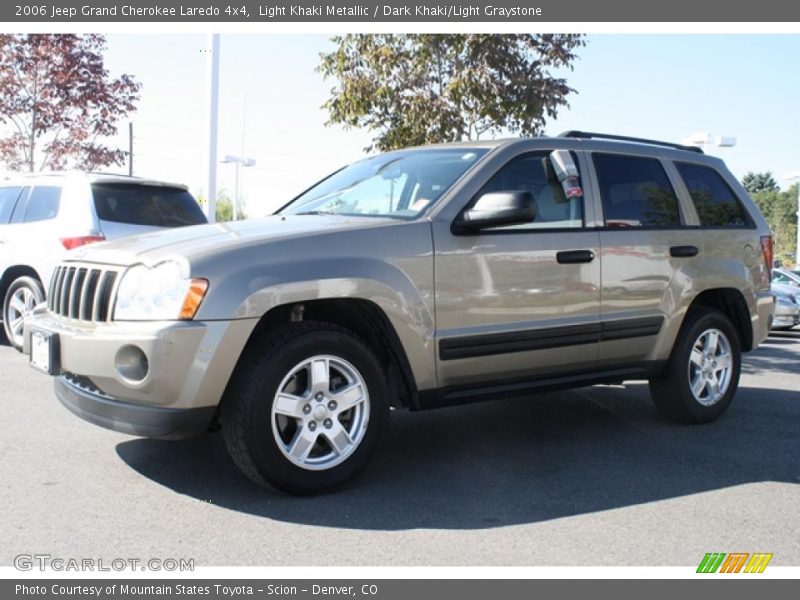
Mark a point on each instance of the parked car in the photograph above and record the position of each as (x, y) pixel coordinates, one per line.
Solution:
(42, 216)
(787, 308)
(417, 279)
(787, 277)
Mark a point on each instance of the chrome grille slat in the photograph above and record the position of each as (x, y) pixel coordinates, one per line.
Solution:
(82, 292)
(63, 306)
(89, 292)
(76, 292)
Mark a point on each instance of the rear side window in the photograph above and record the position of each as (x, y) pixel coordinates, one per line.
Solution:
(8, 199)
(146, 205)
(716, 204)
(636, 192)
(43, 203)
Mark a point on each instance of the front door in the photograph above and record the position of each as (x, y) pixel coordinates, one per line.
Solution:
(519, 301)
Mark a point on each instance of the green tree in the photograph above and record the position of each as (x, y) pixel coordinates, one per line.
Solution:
(779, 209)
(412, 89)
(759, 182)
(224, 209)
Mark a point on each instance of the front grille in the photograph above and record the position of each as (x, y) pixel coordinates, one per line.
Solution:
(82, 293)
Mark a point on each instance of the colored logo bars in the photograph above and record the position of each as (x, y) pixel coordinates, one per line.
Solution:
(734, 562)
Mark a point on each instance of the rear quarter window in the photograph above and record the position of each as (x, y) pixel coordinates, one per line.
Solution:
(716, 203)
(146, 205)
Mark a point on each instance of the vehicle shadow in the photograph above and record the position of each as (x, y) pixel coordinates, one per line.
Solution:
(511, 462)
(3, 338)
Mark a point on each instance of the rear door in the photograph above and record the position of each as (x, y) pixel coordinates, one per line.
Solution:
(648, 249)
(126, 209)
(519, 301)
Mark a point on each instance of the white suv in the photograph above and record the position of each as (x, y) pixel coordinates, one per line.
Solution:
(42, 216)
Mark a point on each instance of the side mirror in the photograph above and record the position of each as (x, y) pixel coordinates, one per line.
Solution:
(498, 208)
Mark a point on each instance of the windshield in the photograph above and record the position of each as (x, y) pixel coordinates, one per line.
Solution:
(399, 184)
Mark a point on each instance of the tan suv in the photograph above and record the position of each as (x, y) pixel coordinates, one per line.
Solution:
(415, 279)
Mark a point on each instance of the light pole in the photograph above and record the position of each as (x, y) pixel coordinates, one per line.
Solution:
(795, 176)
(239, 161)
(705, 140)
(212, 119)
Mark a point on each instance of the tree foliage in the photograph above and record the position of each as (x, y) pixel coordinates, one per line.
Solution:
(759, 182)
(413, 89)
(779, 209)
(58, 102)
(224, 209)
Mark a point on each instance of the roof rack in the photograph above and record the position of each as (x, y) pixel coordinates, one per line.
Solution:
(588, 135)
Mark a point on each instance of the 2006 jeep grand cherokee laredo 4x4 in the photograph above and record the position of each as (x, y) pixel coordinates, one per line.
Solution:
(419, 278)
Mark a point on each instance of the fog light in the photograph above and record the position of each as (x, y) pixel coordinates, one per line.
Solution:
(132, 364)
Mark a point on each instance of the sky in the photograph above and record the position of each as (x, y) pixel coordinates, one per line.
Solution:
(656, 86)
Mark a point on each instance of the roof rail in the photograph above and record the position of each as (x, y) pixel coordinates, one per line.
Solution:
(588, 135)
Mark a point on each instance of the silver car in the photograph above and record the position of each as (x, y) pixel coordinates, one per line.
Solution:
(417, 279)
(44, 215)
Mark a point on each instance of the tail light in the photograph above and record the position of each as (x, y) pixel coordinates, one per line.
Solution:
(73, 242)
(766, 247)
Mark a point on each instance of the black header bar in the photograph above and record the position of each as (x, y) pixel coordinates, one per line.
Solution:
(397, 11)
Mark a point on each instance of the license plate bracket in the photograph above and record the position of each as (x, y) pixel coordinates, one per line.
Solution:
(45, 352)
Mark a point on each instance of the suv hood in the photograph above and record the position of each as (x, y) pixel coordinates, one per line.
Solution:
(202, 239)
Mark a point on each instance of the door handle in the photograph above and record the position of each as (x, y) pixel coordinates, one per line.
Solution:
(683, 251)
(571, 257)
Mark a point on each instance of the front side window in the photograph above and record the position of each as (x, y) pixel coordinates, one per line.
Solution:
(636, 192)
(8, 199)
(533, 173)
(43, 203)
(398, 185)
(716, 204)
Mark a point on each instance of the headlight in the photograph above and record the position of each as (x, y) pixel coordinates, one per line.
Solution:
(158, 293)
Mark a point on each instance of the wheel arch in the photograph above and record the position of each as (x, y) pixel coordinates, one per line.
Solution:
(731, 302)
(365, 319)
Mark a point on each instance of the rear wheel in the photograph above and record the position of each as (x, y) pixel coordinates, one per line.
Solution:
(702, 374)
(22, 296)
(306, 408)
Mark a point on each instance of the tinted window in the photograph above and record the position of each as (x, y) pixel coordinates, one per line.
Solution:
(635, 192)
(8, 198)
(146, 205)
(532, 173)
(42, 203)
(716, 204)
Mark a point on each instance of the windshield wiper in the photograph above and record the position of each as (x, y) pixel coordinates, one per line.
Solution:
(315, 212)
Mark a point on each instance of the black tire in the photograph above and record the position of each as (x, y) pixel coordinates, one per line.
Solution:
(246, 414)
(671, 389)
(29, 287)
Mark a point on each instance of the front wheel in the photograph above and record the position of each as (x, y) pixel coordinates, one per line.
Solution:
(702, 374)
(22, 296)
(306, 408)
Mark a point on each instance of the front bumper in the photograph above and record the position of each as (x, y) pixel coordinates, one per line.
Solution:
(134, 419)
(786, 316)
(189, 363)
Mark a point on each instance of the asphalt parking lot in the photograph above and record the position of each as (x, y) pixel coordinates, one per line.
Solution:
(587, 477)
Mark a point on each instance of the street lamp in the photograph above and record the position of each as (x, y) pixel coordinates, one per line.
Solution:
(705, 140)
(795, 176)
(240, 162)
